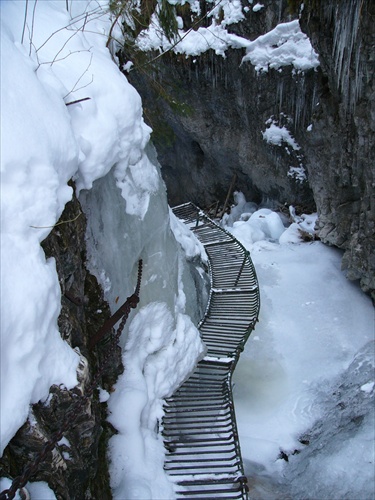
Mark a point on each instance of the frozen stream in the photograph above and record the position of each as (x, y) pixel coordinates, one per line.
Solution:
(297, 379)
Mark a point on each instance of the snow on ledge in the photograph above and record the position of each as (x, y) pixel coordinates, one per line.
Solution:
(283, 46)
(277, 135)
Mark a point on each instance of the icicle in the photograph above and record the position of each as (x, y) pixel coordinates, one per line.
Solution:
(280, 94)
(346, 51)
(299, 101)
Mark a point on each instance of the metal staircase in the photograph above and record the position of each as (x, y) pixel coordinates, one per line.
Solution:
(203, 456)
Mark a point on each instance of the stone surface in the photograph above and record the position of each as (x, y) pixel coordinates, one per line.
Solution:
(341, 147)
(216, 131)
(208, 114)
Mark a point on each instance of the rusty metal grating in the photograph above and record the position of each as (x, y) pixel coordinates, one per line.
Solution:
(203, 455)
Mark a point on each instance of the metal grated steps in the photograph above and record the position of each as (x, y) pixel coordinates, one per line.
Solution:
(203, 456)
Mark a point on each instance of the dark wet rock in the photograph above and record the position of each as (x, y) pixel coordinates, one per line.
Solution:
(216, 130)
(341, 147)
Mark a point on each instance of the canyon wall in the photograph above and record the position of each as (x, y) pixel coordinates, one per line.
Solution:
(209, 114)
(341, 147)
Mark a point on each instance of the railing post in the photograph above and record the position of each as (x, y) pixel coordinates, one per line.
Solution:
(197, 221)
(246, 255)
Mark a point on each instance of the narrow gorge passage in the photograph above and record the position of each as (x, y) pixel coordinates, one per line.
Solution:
(199, 426)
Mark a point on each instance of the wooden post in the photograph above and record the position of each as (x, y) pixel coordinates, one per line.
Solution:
(231, 187)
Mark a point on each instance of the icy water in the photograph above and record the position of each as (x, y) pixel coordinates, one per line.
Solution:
(304, 385)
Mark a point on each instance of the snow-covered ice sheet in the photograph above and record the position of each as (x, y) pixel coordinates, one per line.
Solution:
(160, 343)
(304, 385)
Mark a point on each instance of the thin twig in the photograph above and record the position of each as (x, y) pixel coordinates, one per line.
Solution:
(85, 21)
(32, 27)
(63, 46)
(73, 21)
(65, 57)
(74, 89)
(57, 223)
(82, 87)
(24, 21)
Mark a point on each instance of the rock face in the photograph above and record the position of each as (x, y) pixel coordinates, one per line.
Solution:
(209, 113)
(341, 148)
(216, 128)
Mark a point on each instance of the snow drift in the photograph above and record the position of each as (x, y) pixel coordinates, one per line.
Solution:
(50, 57)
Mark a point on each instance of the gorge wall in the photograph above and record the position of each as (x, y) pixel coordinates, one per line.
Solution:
(209, 114)
(341, 149)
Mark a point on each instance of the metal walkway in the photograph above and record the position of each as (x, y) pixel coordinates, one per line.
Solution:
(203, 456)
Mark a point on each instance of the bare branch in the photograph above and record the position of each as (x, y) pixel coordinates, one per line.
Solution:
(65, 57)
(77, 101)
(74, 21)
(58, 223)
(64, 45)
(80, 88)
(32, 27)
(74, 89)
(84, 23)
(24, 21)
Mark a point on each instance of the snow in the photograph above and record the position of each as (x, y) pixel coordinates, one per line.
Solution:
(91, 137)
(257, 7)
(303, 373)
(191, 245)
(298, 173)
(311, 352)
(103, 395)
(232, 12)
(158, 356)
(285, 45)
(266, 222)
(191, 43)
(33, 193)
(46, 143)
(368, 387)
(276, 135)
(38, 490)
